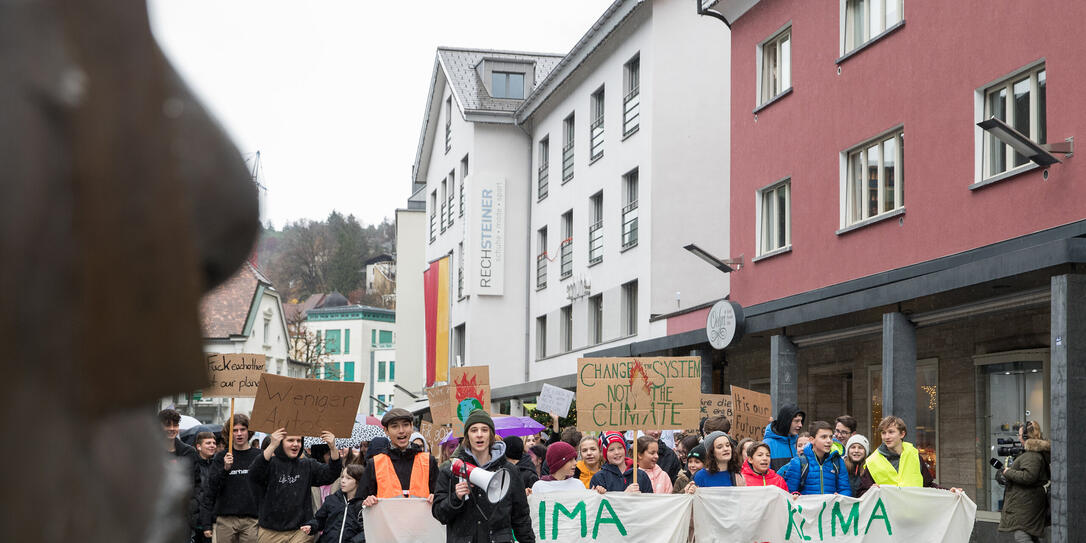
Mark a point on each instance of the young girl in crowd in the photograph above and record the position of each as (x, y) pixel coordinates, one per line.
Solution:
(561, 462)
(648, 454)
(745, 450)
(756, 471)
(722, 467)
(856, 450)
(616, 475)
(591, 459)
(337, 520)
(695, 461)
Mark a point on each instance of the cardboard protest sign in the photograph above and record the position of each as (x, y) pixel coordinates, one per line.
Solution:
(468, 391)
(555, 400)
(752, 413)
(638, 393)
(713, 405)
(233, 375)
(440, 405)
(305, 406)
(433, 434)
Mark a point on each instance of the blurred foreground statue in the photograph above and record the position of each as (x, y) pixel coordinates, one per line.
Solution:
(122, 202)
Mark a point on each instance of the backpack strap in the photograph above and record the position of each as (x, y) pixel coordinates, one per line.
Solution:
(803, 468)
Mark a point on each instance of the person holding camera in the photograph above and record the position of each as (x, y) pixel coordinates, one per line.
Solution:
(1025, 500)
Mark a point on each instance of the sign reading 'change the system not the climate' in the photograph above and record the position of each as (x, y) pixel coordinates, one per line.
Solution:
(642, 393)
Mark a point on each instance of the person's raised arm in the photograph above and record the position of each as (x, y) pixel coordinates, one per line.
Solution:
(276, 438)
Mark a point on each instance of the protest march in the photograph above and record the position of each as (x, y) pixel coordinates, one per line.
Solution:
(650, 460)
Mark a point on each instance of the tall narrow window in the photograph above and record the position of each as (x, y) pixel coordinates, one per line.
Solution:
(866, 19)
(567, 328)
(544, 166)
(631, 102)
(567, 245)
(541, 259)
(875, 178)
(567, 147)
(444, 204)
(595, 316)
(381, 371)
(459, 339)
(774, 217)
(541, 337)
(595, 228)
(776, 65)
(452, 195)
(463, 181)
(433, 216)
(448, 123)
(1020, 102)
(629, 210)
(629, 308)
(507, 85)
(460, 270)
(596, 135)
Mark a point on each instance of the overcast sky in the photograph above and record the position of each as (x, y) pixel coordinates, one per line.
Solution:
(332, 92)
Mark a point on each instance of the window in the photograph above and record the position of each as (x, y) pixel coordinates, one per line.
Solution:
(381, 371)
(567, 148)
(775, 65)
(566, 265)
(541, 337)
(507, 85)
(629, 210)
(631, 102)
(775, 217)
(385, 339)
(544, 166)
(459, 338)
(875, 178)
(444, 209)
(391, 373)
(452, 195)
(381, 405)
(866, 19)
(629, 308)
(596, 133)
(331, 371)
(595, 228)
(331, 341)
(460, 271)
(346, 341)
(541, 259)
(448, 123)
(595, 316)
(433, 215)
(348, 371)
(1019, 101)
(567, 328)
(463, 181)
(267, 331)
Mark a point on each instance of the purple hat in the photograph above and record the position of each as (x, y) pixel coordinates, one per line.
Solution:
(558, 455)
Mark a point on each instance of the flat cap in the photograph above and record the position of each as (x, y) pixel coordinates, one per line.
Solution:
(396, 413)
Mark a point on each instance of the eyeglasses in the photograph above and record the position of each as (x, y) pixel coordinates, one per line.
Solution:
(841, 432)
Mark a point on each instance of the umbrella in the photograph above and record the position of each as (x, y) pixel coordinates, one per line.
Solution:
(189, 435)
(361, 432)
(188, 422)
(509, 426)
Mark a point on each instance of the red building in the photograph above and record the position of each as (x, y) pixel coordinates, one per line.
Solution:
(899, 259)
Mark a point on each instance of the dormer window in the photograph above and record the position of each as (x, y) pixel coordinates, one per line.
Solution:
(507, 85)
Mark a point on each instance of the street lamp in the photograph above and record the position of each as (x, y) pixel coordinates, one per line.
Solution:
(1040, 153)
(726, 266)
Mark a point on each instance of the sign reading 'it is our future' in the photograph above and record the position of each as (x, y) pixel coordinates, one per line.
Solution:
(638, 393)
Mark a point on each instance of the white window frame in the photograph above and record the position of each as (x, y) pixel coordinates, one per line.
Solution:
(595, 319)
(848, 222)
(783, 71)
(507, 77)
(541, 337)
(595, 228)
(595, 131)
(866, 12)
(630, 293)
(566, 332)
(630, 220)
(782, 187)
(982, 175)
(543, 175)
(631, 100)
(541, 259)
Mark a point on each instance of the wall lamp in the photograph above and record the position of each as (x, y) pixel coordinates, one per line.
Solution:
(1040, 153)
(726, 266)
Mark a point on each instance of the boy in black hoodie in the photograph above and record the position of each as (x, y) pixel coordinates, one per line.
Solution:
(285, 478)
(231, 505)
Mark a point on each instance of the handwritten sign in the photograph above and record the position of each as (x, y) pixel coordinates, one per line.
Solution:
(555, 400)
(638, 393)
(433, 434)
(233, 375)
(305, 406)
(440, 406)
(714, 405)
(752, 413)
(469, 390)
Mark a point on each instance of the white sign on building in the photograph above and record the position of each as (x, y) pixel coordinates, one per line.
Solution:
(486, 234)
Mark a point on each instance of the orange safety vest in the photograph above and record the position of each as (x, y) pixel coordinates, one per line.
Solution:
(388, 484)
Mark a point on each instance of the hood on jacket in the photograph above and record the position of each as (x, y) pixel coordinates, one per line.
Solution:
(418, 435)
(782, 425)
(497, 453)
(1038, 445)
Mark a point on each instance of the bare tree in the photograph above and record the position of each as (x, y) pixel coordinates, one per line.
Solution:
(307, 347)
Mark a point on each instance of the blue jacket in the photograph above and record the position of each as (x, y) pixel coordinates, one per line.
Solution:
(829, 477)
(608, 477)
(782, 449)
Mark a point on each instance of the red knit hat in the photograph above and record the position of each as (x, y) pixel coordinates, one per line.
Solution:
(558, 455)
(608, 438)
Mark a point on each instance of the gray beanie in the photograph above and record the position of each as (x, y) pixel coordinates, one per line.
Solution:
(709, 439)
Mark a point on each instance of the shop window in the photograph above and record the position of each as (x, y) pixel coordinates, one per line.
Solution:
(925, 435)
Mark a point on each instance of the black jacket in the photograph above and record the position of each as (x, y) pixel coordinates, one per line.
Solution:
(286, 503)
(668, 461)
(183, 451)
(200, 470)
(526, 469)
(609, 478)
(476, 520)
(230, 493)
(403, 461)
(338, 514)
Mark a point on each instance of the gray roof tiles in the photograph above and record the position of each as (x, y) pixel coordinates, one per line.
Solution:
(470, 92)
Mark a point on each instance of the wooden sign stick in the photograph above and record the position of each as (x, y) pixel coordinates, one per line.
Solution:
(635, 461)
(230, 441)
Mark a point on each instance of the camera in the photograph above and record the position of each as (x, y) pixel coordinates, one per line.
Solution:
(1011, 447)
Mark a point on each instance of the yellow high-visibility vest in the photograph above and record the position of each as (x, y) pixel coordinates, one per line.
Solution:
(906, 474)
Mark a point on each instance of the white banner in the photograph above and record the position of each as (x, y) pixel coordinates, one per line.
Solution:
(486, 235)
(405, 520)
(755, 515)
(555, 400)
(614, 516)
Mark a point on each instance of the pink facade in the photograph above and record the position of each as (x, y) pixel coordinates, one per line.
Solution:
(923, 76)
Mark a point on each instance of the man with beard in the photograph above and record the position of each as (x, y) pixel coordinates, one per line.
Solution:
(401, 471)
(285, 478)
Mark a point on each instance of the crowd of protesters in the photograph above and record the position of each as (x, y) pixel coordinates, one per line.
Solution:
(279, 491)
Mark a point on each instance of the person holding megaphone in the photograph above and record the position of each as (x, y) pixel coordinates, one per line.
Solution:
(479, 497)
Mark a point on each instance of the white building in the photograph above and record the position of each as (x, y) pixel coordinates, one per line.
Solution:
(410, 319)
(360, 346)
